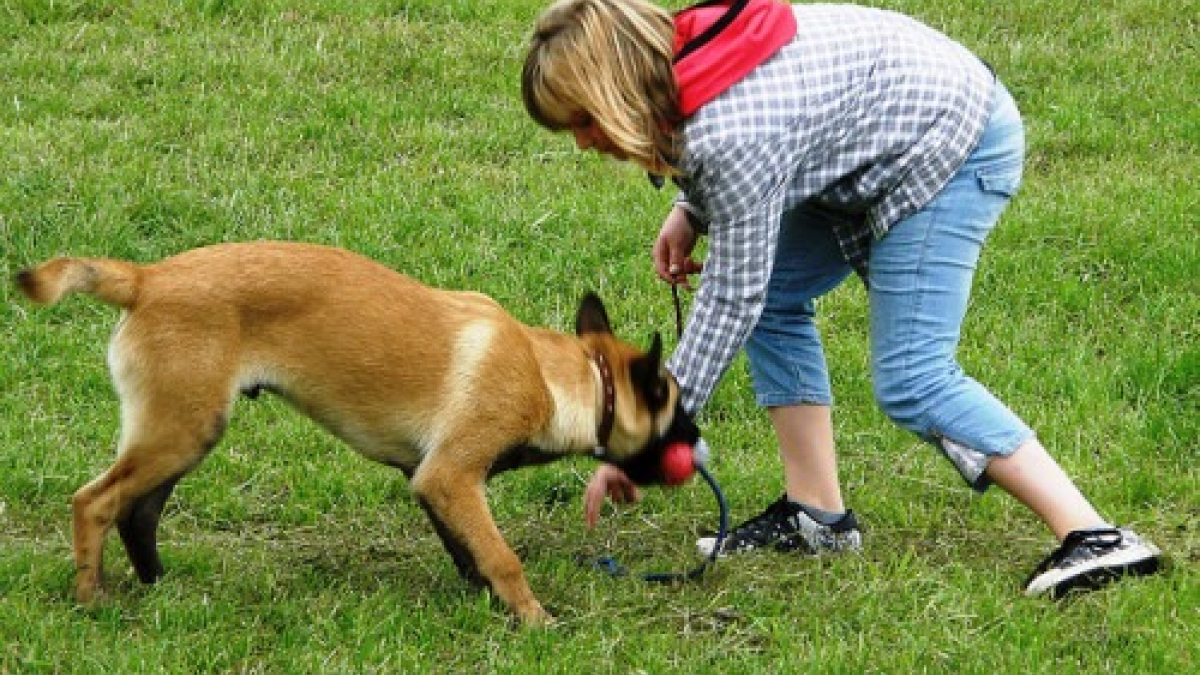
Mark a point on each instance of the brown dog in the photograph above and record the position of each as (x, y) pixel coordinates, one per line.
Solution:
(444, 385)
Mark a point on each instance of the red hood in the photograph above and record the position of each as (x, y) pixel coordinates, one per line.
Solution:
(754, 36)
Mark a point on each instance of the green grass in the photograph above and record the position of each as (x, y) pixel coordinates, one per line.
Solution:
(395, 128)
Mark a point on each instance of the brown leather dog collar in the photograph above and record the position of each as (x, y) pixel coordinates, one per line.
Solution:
(609, 411)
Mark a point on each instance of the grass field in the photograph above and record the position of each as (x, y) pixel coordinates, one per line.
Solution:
(394, 128)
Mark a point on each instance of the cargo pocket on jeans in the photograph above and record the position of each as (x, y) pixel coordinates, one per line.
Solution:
(1000, 180)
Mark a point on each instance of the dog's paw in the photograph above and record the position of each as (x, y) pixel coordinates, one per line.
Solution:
(90, 597)
(536, 617)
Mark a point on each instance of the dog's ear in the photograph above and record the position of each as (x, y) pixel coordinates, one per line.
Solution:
(654, 353)
(591, 317)
(649, 377)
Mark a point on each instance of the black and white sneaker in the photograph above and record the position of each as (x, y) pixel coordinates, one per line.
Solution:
(785, 526)
(1089, 559)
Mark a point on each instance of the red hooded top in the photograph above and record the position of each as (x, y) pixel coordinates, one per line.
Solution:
(753, 36)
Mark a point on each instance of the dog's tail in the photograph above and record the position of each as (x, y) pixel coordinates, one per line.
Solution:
(112, 281)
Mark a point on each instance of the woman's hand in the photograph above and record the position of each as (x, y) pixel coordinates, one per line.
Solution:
(608, 481)
(672, 252)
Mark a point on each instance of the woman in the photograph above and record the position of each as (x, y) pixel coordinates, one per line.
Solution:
(810, 142)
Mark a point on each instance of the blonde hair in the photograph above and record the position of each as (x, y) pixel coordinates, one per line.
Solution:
(612, 61)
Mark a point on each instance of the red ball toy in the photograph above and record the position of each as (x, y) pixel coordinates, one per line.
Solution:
(677, 463)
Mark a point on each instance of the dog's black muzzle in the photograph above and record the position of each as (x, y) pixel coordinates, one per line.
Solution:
(646, 468)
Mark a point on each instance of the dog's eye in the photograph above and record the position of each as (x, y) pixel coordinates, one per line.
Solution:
(657, 394)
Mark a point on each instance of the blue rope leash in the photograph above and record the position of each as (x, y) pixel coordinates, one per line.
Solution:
(610, 566)
(722, 530)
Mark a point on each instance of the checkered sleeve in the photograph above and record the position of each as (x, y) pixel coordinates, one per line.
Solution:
(743, 196)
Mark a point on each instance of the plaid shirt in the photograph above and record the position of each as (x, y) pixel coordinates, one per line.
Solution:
(866, 113)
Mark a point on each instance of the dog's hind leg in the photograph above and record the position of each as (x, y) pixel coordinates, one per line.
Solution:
(170, 419)
(138, 527)
(139, 530)
(130, 494)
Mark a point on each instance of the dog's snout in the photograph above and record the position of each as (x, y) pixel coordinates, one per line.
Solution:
(646, 467)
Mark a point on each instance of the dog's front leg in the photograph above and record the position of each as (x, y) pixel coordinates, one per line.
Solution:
(455, 501)
(463, 560)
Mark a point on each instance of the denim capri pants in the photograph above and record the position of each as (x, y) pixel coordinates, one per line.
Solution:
(919, 287)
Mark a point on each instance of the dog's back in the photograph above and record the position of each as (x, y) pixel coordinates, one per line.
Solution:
(374, 356)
